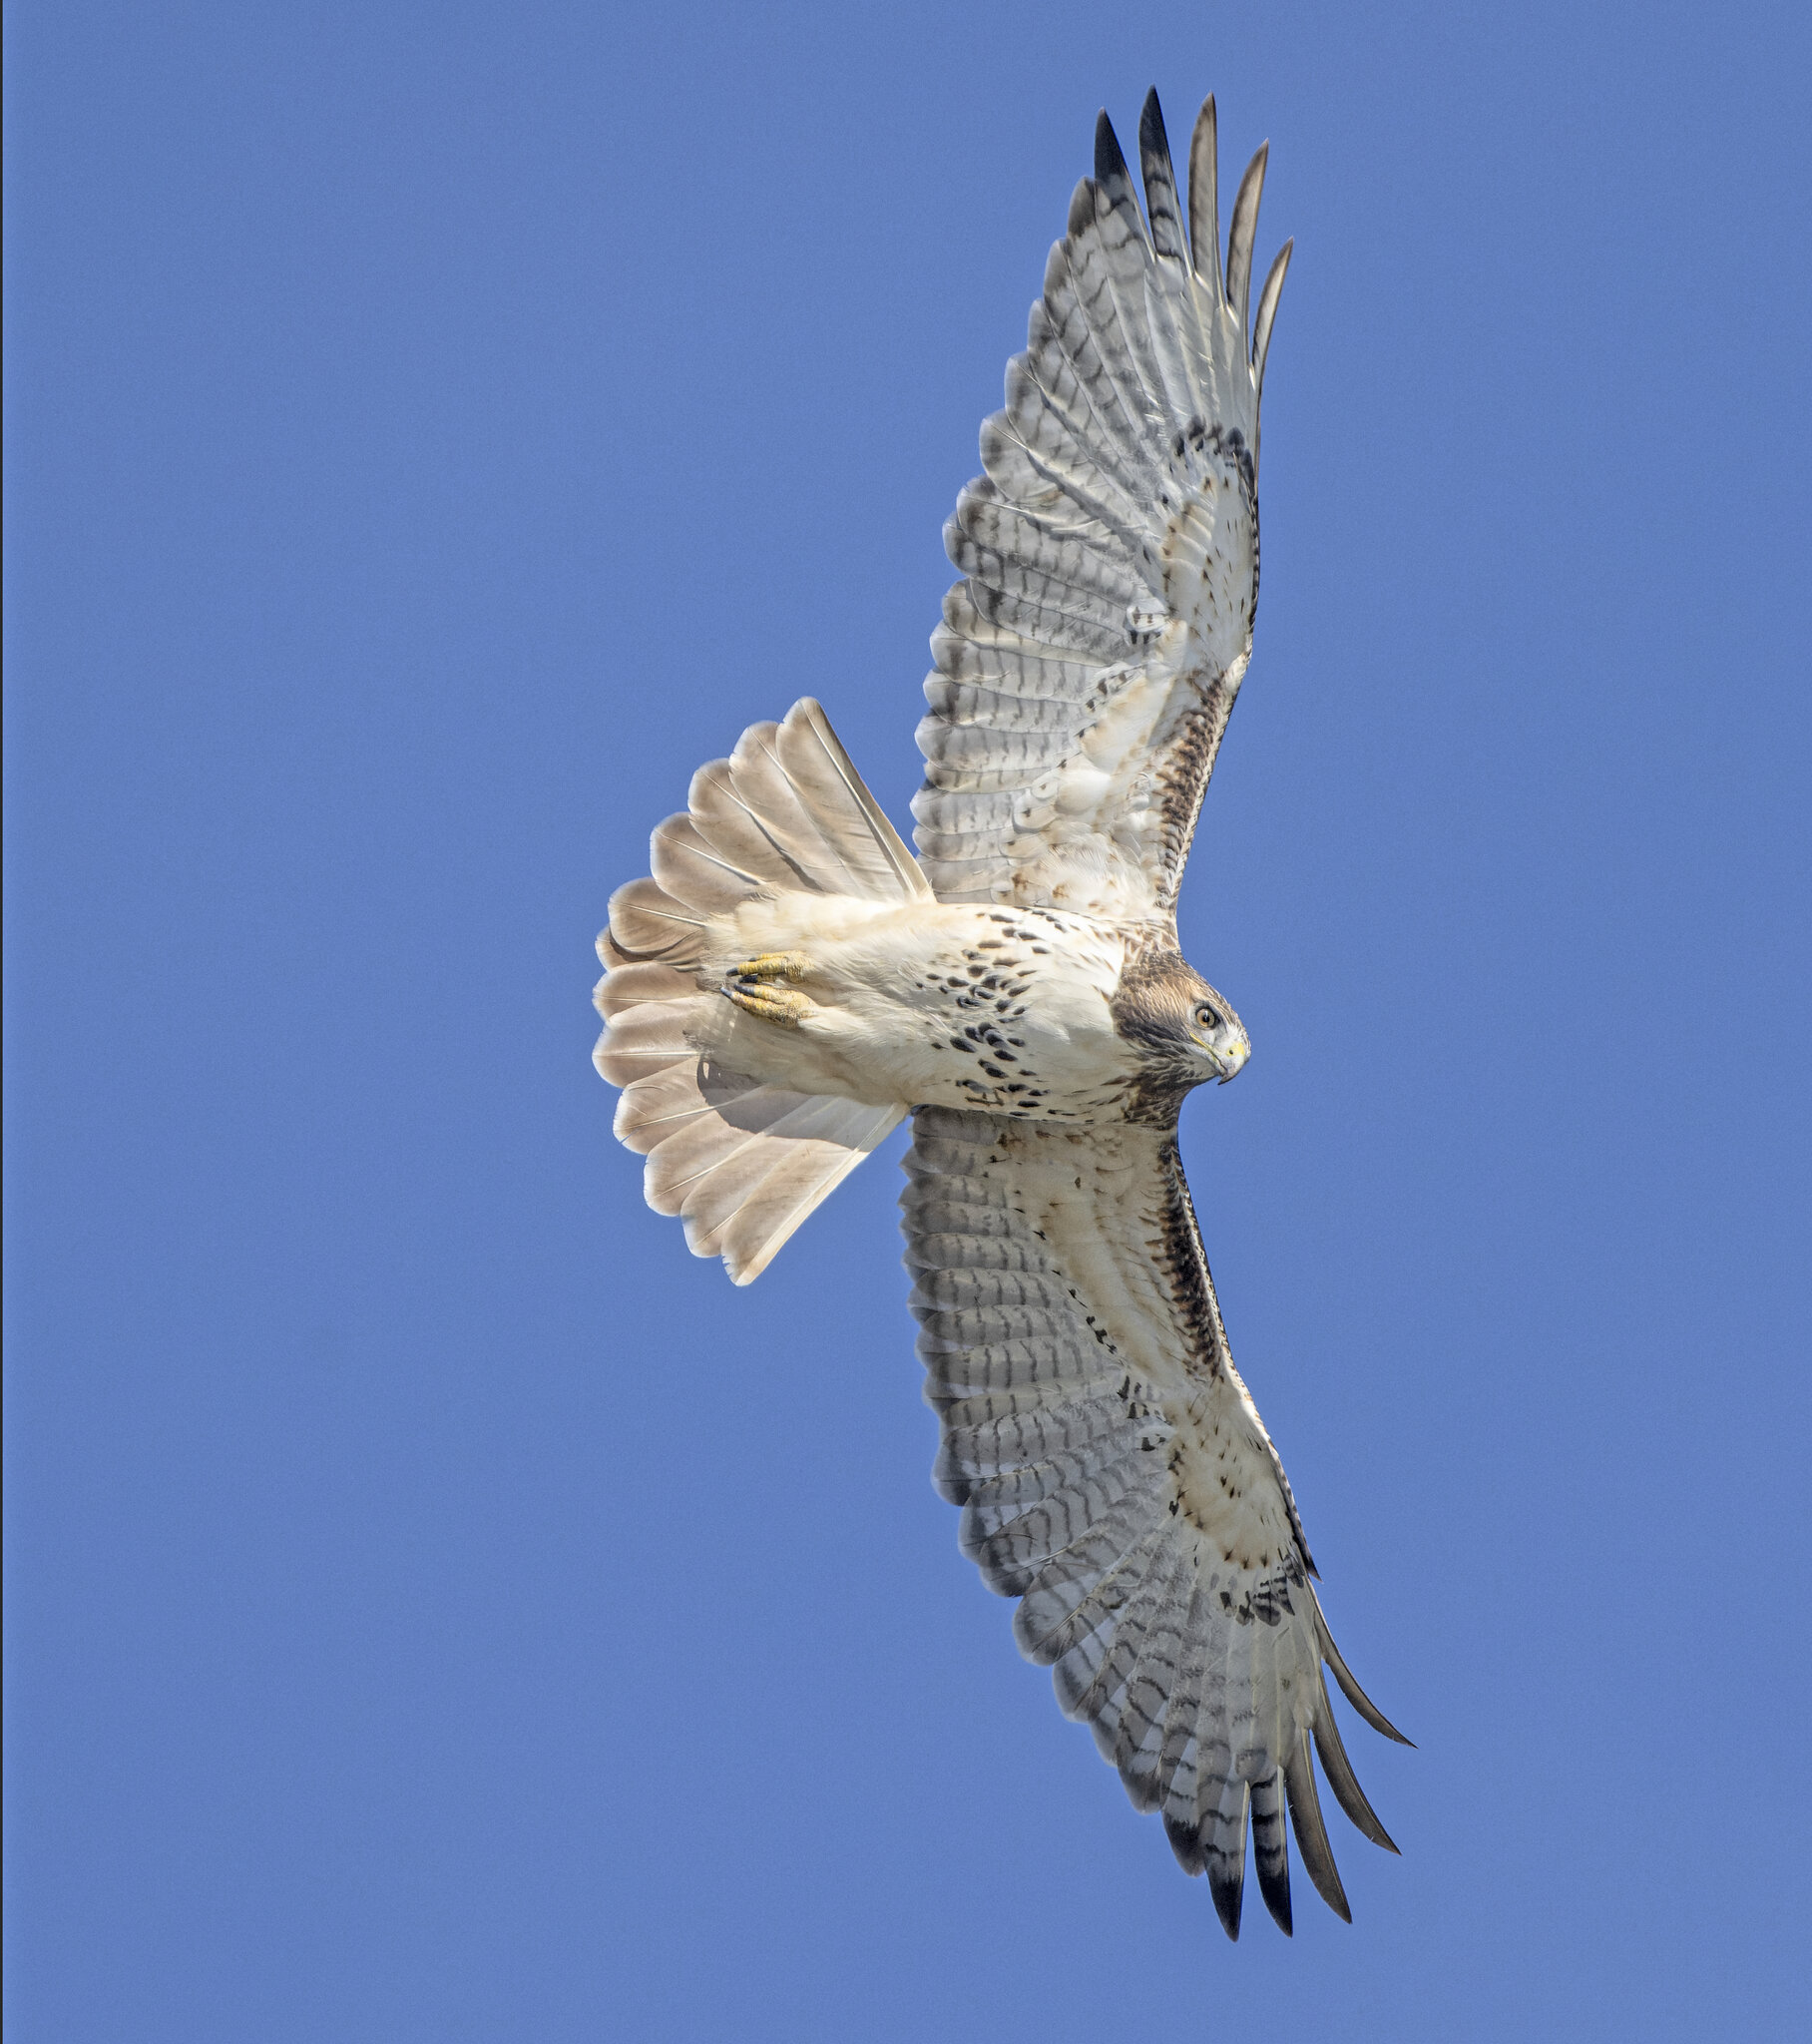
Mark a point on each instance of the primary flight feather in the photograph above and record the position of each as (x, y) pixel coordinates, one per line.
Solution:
(791, 983)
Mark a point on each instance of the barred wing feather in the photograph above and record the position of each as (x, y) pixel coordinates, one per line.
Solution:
(1090, 657)
(1115, 1477)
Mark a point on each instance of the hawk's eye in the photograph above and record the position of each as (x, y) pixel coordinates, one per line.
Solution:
(1205, 1017)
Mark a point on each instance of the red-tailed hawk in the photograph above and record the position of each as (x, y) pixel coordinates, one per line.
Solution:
(791, 983)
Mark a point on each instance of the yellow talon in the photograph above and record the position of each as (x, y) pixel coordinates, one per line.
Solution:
(769, 1005)
(757, 987)
(775, 965)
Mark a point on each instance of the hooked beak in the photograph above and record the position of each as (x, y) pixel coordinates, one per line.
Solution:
(1232, 1062)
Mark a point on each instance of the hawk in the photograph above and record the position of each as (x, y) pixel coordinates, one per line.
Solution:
(791, 983)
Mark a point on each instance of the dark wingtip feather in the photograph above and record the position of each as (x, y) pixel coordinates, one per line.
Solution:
(1363, 1704)
(1265, 317)
(1109, 161)
(1229, 1892)
(1185, 1843)
(1204, 200)
(1341, 1778)
(1271, 1849)
(1276, 1893)
(1163, 203)
(1349, 1687)
(1311, 1830)
(1082, 205)
(1243, 228)
(1151, 136)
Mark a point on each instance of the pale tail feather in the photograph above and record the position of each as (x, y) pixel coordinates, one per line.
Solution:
(742, 1163)
(786, 810)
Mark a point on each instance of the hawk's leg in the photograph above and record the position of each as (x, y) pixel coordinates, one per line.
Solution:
(754, 986)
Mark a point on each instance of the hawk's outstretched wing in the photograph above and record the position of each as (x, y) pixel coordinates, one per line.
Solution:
(1089, 660)
(1115, 1477)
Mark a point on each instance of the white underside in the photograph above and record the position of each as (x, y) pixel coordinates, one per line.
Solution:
(893, 987)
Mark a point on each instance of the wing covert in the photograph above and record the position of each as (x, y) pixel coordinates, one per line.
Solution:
(1114, 1477)
(1088, 661)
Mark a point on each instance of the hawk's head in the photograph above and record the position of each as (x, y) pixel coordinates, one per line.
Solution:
(1184, 1031)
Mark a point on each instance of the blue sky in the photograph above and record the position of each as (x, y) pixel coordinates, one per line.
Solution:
(443, 1610)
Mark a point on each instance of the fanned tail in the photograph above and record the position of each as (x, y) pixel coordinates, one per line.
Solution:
(740, 1163)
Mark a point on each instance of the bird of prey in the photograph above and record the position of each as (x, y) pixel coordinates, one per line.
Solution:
(791, 983)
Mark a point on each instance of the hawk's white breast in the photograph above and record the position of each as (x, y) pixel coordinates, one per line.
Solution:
(925, 1003)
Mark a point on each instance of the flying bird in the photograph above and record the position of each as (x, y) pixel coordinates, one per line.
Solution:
(791, 983)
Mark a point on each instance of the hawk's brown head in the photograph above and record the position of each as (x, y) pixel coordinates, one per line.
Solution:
(1182, 1030)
